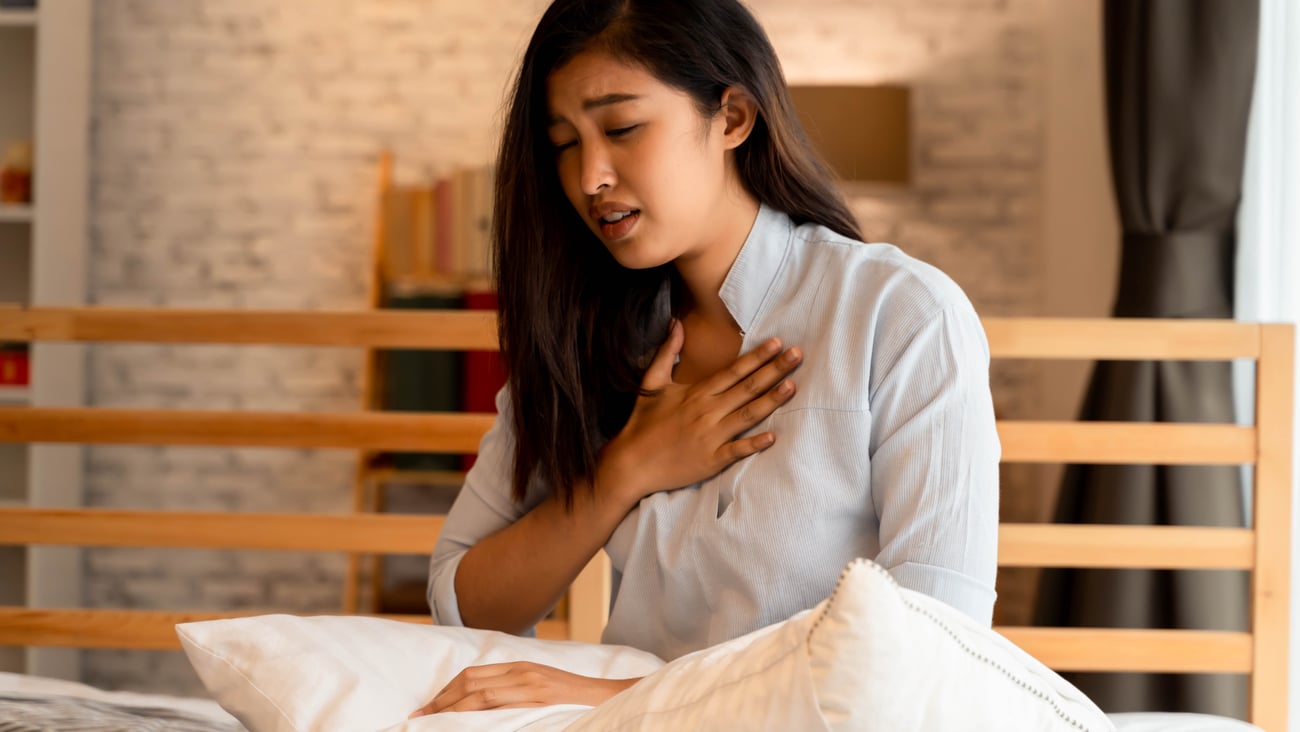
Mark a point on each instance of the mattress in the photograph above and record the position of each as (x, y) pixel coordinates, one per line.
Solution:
(1163, 722)
(29, 704)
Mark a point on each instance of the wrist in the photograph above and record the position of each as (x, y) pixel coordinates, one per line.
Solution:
(609, 688)
(614, 482)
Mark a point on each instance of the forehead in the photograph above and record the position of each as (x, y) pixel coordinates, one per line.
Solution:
(592, 75)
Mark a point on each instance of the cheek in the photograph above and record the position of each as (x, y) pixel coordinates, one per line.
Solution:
(571, 184)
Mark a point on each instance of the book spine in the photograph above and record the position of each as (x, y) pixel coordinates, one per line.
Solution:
(417, 380)
(444, 218)
(484, 372)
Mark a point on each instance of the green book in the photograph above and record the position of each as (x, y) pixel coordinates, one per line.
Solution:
(422, 380)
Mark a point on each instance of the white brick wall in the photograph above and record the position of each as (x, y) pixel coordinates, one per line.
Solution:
(234, 145)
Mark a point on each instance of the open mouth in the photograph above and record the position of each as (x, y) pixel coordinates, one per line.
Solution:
(618, 225)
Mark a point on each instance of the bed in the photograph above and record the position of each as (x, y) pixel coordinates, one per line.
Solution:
(1263, 549)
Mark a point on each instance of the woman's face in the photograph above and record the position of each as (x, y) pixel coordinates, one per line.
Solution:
(640, 164)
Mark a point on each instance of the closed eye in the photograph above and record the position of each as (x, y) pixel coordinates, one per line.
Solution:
(620, 132)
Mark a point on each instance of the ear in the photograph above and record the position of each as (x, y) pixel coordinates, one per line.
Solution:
(739, 112)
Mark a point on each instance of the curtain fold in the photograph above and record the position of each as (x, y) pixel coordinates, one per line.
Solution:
(1179, 75)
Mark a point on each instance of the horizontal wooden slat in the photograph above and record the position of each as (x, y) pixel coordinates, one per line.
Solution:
(434, 432)
(416, 477)
(1152, 547)
(1032, 545)
(1106, 649)
(377, 533)
(1065, 649)
(1088, 338)
(1126, 443)
(1122, 338)
(1022, 441)
(445, 330)
(141, 629)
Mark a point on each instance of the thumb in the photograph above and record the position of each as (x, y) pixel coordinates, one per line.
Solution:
(660, 373)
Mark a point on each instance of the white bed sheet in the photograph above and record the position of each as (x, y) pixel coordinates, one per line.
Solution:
(25, 684)
(1128, 722)
(1166, 722)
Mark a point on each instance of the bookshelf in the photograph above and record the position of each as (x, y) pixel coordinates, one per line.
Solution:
(15, 214)
(45, 99)
(17, 18)
(422, 232)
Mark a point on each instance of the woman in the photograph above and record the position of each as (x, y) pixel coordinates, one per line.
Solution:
(662, 231)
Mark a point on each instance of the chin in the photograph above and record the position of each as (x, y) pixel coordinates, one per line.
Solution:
(641, 262)
(632, 256)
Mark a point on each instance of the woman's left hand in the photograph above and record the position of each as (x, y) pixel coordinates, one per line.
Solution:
(523, 684)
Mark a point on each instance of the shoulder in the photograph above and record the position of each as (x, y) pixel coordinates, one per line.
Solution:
(885, 285)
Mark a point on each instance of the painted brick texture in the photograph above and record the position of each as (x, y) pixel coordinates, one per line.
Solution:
(233, 153)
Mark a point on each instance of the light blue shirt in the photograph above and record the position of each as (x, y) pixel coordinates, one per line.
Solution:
(888, 450)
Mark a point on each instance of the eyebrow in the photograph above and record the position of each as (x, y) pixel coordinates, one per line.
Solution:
(601, 101)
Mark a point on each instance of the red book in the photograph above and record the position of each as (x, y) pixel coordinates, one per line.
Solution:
(13, 367)
(482, 371)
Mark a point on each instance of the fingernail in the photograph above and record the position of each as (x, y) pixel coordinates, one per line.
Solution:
(768, 439)
(785, 388)
(791, 355)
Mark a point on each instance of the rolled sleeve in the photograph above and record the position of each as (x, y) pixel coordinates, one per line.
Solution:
(483, 507)
(442, 587)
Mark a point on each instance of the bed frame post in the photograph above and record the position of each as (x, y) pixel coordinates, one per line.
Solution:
(589, 600)
(1270, 601)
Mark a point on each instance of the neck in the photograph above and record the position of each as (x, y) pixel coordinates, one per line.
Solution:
(705, 269)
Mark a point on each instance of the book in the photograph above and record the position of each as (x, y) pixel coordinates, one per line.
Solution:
(14, 364)
(484, 372)
(419, 380)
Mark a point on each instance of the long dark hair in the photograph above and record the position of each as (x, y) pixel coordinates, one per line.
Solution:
(577, 329)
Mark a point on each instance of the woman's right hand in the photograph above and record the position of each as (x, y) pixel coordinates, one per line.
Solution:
(686, 433)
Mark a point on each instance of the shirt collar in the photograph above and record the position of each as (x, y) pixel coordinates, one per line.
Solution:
(756, 266)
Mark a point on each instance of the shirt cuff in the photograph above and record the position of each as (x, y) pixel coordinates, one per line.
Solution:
(442, 591)
(959, 590)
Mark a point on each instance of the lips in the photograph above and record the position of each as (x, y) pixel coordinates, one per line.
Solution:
(615, 220)
(619, 229)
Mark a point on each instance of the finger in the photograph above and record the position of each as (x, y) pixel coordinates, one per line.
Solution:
(743, 448)
(519, 705)
(760, 382)
(461, 685)
(757, 410)
(509, 695)
(660, 373)
(742, 367)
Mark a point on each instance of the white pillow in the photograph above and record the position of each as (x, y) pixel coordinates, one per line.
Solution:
(284, 673)
(889, 658)
(759, 681)
(873, 656)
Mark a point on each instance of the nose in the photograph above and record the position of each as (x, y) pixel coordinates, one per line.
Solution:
(597, 169)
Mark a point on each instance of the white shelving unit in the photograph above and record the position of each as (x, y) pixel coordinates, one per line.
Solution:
(45, 97)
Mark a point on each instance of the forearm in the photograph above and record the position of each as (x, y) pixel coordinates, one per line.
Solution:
(511, 579)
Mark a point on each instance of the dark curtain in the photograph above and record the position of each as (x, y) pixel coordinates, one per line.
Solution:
(1179, 75)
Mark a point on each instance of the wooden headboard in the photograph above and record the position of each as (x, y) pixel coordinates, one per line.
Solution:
(1263, 549)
